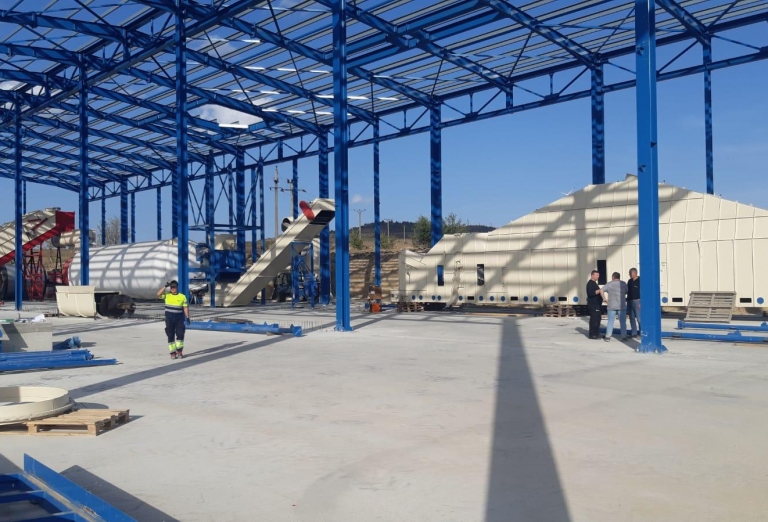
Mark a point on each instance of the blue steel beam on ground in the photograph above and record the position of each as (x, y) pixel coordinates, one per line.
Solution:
(598, 125)
(18, 203)
(648, 176)
(51, 363)
(436, 174)
(325, 235)
(376, 208)
(763, 327)
(732, 337)
(245, 328)
(341, 164)
(181, 182)
(85, 243)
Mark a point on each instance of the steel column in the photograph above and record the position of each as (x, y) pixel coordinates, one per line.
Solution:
(174, 206)
(159, 213)
(103, 219)
(295, 188)
(436, 173)
(231, 197)
(254, 227)
(648, 175)
(708, 117)
(325, 235)
(262, 222)
(376, 208)
(180, 181)
(24, 201)
(18, 207)
(133, 217)
(240, 200)
(341, 163)
(123, 211)
(210, 229)
(598, 126)
(85, 243)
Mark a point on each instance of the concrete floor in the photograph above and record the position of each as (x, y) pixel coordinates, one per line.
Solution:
(414, 417)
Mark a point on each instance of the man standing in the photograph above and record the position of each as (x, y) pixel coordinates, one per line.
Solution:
(176, 318)
(594, 304)
(617, 305)
(633, 302)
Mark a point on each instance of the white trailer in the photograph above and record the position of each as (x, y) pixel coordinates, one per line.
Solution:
(707, 244)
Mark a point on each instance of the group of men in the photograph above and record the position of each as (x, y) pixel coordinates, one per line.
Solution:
(621, 298)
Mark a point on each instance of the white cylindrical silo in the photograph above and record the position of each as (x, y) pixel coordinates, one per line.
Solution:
(137, 270)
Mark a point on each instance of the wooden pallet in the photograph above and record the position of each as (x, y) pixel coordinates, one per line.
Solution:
(78, 422)
(409, 307)
(559, 310)
(710, 307)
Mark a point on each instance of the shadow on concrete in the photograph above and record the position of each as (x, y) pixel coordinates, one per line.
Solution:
(632, 344)
(523, 484)
(115, 496)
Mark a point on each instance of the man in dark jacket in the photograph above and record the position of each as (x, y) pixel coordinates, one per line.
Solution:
(594, 305)
(633, 302)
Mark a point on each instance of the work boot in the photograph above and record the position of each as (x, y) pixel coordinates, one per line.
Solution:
(180, 349)
(174, 355)
(172, 349)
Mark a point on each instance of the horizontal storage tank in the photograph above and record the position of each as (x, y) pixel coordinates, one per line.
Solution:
(137, 270)
(7, 282)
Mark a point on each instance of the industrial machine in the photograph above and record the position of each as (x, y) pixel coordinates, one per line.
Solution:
(706, 243)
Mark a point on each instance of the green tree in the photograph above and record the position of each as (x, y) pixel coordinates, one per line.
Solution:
(453, 225)
(356, 241)
(387, 243)
(422, 232)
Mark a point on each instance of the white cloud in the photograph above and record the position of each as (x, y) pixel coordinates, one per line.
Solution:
(229, 116)
(358, 198)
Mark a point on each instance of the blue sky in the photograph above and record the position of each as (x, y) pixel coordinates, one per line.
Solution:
(497, 170)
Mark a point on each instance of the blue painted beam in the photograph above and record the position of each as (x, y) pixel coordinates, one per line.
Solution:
(181, 182)
(265, 328)
(376, 207)
(762, 327)
(262, 218)
(240, 200)
(732, 337)
(708, 127)
(436, 174)
(124, 211)
(85, 243)
(210, 230)
(254, 215)
(573, 48)
(686, 19)
(341, 164)
(598, 125)
(104, 221)
(24, 196)
(159, 213)
(133, 217)
(648, 176)
(295, 188)
(18, 230)
(325, 235)
(174, 206)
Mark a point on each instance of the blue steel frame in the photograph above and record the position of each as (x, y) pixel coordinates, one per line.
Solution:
(376, 207)
(295, 188)
(18, 203)
(648, 176)
(431, 58)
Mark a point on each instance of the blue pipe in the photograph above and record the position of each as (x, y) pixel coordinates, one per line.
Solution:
(741, 327)
(734, 337)
(245, 328)
(55, 354)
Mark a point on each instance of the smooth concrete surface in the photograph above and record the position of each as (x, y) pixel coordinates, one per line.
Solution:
(413, 417)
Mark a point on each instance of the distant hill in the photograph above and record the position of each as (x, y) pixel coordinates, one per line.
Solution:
(396, 228)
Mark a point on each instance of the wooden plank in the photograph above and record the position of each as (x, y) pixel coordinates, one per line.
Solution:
(79, 422)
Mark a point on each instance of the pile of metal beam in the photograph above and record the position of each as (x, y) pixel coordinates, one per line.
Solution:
(733, 335)
(23, 361)
(265, 328)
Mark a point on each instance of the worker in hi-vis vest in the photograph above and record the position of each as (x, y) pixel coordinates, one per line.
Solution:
(176, 317)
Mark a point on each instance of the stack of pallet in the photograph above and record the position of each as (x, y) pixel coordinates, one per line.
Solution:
(710, 307)
(409, 306)
(562, 310)
(78, 422)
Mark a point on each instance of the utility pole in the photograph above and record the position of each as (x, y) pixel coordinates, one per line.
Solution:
(360, 221)
(388, 222)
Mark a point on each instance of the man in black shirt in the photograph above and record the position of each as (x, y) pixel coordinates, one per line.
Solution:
(594, 304)
(633, 302)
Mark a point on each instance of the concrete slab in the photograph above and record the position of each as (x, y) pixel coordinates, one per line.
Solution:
(428, 417)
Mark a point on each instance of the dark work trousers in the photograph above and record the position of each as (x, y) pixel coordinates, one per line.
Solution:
(594, 320)
(174, 327)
